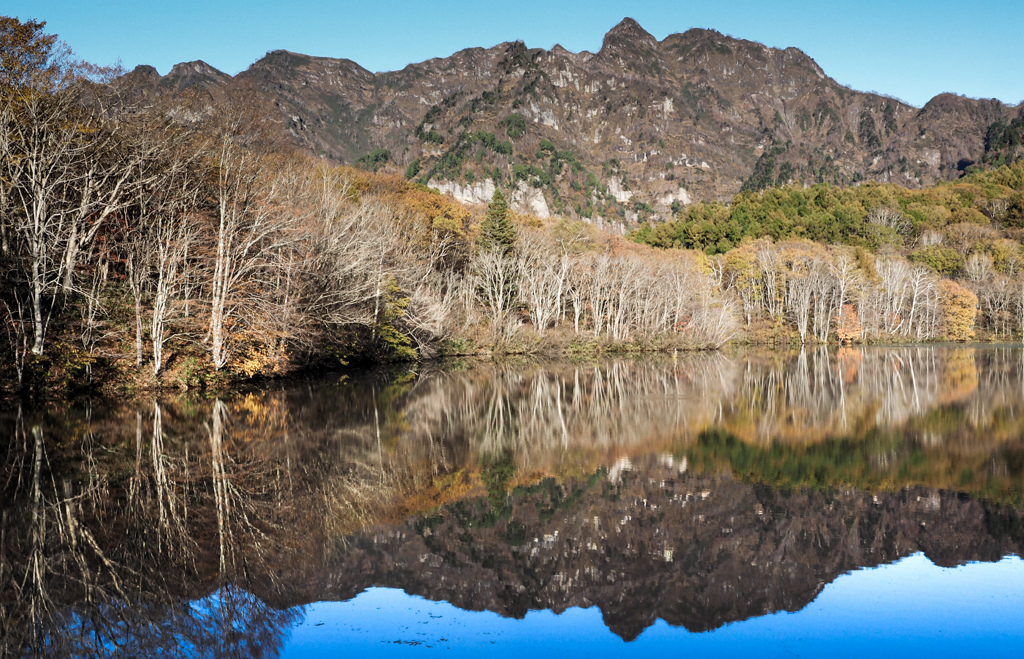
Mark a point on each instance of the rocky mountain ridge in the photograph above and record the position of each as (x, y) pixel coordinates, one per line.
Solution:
(625, 134)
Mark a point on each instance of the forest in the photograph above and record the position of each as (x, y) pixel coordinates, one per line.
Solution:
(150, 239)
(156, 240)
(875, 261)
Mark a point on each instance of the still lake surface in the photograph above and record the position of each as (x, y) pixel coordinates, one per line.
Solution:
(826, 502)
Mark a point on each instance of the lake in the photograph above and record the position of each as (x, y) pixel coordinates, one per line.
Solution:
(832, 502)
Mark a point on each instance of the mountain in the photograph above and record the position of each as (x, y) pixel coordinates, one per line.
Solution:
(623, 134)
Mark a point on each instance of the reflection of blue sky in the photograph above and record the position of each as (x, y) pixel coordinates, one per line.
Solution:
(911, 608)
(228, 622)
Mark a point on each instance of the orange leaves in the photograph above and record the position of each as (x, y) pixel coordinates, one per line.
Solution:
(959, 376)
(959, 307)
(430, 205)
(848, 327)
(848, 363)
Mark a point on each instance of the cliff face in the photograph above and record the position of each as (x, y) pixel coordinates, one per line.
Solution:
(621, 134)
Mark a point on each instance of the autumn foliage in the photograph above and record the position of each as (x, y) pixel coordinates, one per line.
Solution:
(959, 308)
(848, 327)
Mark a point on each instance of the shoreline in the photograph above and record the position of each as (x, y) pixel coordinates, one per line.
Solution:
(229, 384)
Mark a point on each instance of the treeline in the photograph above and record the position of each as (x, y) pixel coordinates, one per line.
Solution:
(871, 215)
(939, 263)
(154, 238)
(820, 294)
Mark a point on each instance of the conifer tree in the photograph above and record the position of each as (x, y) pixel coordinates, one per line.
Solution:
(497, 230)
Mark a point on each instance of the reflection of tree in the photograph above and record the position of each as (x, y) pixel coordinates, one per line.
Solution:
(566, 410)
(882, 461)
(959, 375)
(228, 623)
(815, 395)
(568, 418)
(958, 404)
(112, 541)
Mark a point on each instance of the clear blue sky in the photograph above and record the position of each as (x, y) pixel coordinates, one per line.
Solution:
(909, 49)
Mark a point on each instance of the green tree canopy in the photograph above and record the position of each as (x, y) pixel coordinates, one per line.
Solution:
(497, 230)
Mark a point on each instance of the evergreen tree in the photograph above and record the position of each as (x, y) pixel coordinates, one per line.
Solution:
(392, 343)
(497, 230)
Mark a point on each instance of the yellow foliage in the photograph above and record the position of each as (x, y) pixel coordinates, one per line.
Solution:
(969, 215)
(443, 489)
(959, 307)
(935, 217)
(1007, 256)
(261, 360)
(443, 225)
(526, 220)
(966, 237)
(429, 206)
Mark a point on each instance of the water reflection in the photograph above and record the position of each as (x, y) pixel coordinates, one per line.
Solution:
(700, 490)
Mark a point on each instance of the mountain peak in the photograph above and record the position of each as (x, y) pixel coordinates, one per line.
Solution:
(628, 33)
(199, 67)
(298, 64)
(627, 26)
(196, 74)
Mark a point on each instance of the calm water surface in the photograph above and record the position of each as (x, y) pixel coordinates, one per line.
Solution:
(840, 503)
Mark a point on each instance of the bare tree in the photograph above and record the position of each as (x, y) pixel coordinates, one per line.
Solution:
(887, 217)
(349, 246)
(17, 325)
(825, 288)
(895, 274)
(61, 173)
(767, 263)
(163, 224)
(45, 152)
(848, 276)
(497, 283)
(996, 298)
(545, 271)
(979, 267)
(247, 191)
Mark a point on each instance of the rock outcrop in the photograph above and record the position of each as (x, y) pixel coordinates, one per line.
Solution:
(612, 134)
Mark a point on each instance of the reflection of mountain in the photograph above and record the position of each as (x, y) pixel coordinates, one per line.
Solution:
(696, 551)
(316, 492)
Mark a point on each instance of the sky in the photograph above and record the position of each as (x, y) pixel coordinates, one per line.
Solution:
(912, 50)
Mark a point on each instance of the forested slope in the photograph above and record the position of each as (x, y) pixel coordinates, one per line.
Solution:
(169, 236)
(907, 262)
